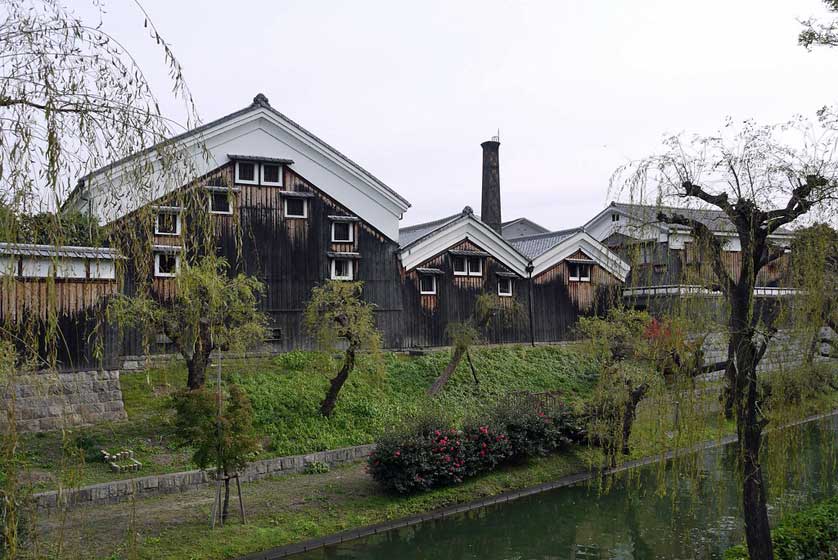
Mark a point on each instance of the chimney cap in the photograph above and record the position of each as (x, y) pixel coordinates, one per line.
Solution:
(494, 142)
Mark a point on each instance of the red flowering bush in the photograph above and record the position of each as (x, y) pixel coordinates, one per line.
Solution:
(420, 456)
(428, 453)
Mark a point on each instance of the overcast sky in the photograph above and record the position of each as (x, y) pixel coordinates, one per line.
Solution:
(576, 87)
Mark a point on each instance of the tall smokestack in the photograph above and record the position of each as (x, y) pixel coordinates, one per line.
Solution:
(490, 210)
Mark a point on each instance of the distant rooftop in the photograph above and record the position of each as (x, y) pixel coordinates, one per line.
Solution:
(532, 246)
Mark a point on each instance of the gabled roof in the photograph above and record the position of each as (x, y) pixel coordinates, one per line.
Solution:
(534, 245)
(580, 240)
(260, 131)
(432, 238)
(647, 214)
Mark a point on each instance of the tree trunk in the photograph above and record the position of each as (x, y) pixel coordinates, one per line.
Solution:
(729, 393)
(630, 413)
(198, 363)
(440, 381)
(473, 371)
(225, 510)
(328, 404)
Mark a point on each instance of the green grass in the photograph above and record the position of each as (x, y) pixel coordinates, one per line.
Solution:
(286, 391)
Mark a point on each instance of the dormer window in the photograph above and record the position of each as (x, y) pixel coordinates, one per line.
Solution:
(579, 272)
(427, 284)
(295, 208)
(505, 287)
(272, 174)
(167, 222)
(467, 266)
(342, 269)
(246, 173)
(343, 232)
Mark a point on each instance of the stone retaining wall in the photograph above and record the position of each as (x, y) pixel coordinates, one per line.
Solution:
(784, 350)
(155, 485)
(51, 400)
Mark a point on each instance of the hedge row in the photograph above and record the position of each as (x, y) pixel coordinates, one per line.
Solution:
(811, 534)
(427, 452)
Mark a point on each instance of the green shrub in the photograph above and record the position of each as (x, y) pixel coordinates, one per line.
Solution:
(811, 534)
(316, 467)
(429, 453)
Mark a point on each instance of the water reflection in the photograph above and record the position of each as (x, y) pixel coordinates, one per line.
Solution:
(631, 522)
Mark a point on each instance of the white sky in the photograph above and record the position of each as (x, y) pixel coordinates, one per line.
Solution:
(576, 87)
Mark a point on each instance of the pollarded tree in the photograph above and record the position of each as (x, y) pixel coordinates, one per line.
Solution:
(210, 311)
(337, 315)
(762, 178)
(463, 335)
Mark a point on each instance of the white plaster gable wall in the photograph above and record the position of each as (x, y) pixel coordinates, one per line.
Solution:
(259, 132)
(587, 244)
(465, 228)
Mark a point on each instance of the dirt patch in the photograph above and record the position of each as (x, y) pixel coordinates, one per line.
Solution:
(96, 532)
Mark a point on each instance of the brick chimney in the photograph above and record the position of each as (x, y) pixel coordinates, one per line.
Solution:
(490, 211)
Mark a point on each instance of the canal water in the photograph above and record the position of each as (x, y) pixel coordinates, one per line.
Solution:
(630, 522)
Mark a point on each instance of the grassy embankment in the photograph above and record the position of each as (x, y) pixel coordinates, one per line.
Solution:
(286, 391)
(294, 508)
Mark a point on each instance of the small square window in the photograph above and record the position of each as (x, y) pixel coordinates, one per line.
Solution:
(296, 208)
(475, 266)
(167, 223)
(246, 172)
(580, 272)
(427, 284)
(342, 232)
(459, 266)
(219, 202)
(505, 287)
(166, 265)
(615, 217)
(342, 269)
(271, 174)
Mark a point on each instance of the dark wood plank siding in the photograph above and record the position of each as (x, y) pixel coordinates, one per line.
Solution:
(427, 316)
(290, 255)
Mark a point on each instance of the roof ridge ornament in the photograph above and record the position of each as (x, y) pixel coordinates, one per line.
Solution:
(260, 101)
(467, 211)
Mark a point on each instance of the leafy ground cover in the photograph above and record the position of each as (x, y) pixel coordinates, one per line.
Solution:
(286, 391)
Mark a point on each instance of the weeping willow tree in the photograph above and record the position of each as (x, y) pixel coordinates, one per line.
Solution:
(73, 99)
(761, 179)
(488, 308)
(210, 311)
(337, 317)
(821, 32)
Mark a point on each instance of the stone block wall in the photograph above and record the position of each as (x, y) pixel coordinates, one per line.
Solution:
(51, 400)
(784, 350)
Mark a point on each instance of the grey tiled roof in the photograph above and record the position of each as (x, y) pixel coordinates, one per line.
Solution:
(716, 220)
(409, 234)
(50, 251)
(534, 245)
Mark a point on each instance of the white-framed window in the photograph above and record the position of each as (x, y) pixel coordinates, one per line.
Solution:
(246, 173)
(166, 265)
(615, 217)
(427, 284)
(458, 264)
(295, 207)
(272, 174)
(343, 232)
(580, 272)
(220, 202)
(505, 287)
(467, 266)
(167, 222)
(342, 269)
